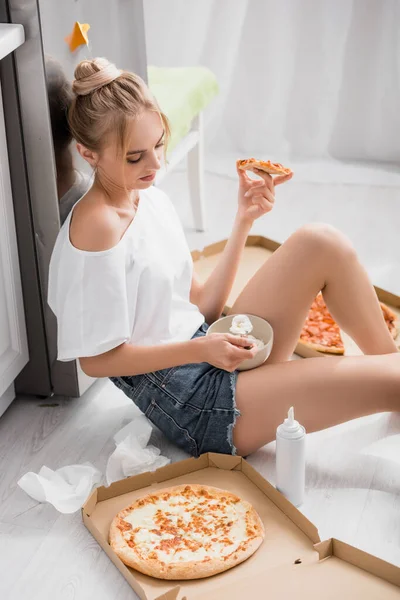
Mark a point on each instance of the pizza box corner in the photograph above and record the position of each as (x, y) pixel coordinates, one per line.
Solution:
(291, 560)
(257, 250)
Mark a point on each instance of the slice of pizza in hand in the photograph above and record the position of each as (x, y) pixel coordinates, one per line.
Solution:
(186, 532)
(320, 331)
(251, 164)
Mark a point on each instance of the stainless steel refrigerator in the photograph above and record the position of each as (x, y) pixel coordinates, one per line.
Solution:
(116, 32)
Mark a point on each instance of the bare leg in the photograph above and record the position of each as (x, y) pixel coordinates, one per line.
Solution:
(316, 257)
(324, 392)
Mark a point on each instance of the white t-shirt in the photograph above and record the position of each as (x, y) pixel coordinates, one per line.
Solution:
(136, 292)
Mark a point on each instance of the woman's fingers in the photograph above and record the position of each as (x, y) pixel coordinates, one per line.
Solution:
(235, 340)
(254, 184)
(244, 353)
(242, 174)
(260, 191)
(269, 182)
(282, 178)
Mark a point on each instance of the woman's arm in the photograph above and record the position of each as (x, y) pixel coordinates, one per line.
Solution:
(255, 199)
(212, 295)
(223, 350)
(127, 359)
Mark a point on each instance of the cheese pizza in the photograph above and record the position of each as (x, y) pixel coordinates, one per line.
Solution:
(186, 532)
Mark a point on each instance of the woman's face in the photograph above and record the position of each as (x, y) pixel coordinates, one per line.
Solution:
(143, 158)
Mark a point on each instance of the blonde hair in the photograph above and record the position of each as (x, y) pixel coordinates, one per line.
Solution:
(105, 101)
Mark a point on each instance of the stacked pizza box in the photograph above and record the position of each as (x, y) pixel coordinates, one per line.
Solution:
(290, 559)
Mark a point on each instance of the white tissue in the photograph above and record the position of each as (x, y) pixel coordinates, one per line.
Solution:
(132, 455)
(66, 489)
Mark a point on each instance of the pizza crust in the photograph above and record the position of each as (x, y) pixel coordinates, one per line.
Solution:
(321, 348)
(196, 569)
(252, 164)
(189, 570)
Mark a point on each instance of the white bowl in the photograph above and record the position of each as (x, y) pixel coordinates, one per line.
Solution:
(261, 330)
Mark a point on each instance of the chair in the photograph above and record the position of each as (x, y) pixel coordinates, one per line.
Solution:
(183, 94)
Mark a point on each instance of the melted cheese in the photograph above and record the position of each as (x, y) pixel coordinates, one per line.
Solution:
(158, 528)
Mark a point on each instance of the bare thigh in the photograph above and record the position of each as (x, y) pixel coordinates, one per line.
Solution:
(324, 392)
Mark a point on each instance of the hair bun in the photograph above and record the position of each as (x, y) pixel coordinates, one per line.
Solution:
(90, 75)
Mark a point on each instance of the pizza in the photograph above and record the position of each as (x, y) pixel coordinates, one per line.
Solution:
(322, 333)
(186, 532)
(263, 165)
(390, 319)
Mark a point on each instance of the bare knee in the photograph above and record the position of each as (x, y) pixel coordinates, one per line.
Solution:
(324, 240)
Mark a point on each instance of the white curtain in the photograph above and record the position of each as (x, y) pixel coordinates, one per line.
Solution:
(309, 79)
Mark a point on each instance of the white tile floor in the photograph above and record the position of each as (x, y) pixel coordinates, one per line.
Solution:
(352, 493)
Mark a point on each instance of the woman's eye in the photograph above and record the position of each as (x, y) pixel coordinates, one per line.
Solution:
(136, 160)
(133, 160)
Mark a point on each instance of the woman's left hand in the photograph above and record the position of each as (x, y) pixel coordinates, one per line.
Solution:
(256, 197)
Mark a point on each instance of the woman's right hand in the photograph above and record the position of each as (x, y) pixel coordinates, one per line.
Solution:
(224, 350)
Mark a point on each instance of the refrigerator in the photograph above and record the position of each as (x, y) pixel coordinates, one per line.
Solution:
(117, 33)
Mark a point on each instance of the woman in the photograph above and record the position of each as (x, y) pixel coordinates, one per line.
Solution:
(129, 306)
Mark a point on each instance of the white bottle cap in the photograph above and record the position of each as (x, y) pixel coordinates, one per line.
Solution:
(290, 427)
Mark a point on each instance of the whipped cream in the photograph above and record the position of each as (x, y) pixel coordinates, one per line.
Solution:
(241, 325)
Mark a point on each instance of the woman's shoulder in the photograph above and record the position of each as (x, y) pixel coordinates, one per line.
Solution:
(94, 226)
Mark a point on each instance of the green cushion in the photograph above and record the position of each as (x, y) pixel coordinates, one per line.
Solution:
(182, 93)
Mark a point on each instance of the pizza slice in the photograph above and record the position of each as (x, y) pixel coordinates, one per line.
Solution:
(320, 331)
(390, 319)
(250, 164)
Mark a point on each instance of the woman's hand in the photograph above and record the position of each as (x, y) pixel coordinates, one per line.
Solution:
(224, 350)
(257, 197)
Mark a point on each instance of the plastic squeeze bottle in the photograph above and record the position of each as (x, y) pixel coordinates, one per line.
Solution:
(291, 459)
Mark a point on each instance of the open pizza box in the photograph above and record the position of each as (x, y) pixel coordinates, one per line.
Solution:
(258, 249)
(291, 560)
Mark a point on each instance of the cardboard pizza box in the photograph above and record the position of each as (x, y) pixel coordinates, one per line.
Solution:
(257, 250)
(292, 559)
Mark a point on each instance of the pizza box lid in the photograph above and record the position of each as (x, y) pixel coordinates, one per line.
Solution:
(290, 537)
(257, 250)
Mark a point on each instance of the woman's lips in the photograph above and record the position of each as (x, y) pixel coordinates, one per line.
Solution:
(148, 177)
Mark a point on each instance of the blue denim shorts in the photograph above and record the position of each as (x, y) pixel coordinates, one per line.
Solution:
(193, 405)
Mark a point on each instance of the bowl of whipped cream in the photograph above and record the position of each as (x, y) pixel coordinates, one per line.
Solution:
(251, 327)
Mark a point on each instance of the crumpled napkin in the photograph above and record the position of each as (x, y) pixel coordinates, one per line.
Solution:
(132, 455)
(66, 489)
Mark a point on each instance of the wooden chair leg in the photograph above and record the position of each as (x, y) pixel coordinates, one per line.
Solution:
(195, 167)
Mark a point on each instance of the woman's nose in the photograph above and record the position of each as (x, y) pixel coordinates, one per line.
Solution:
(154, 160)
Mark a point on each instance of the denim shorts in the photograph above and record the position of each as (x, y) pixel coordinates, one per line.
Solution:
(193, 405)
